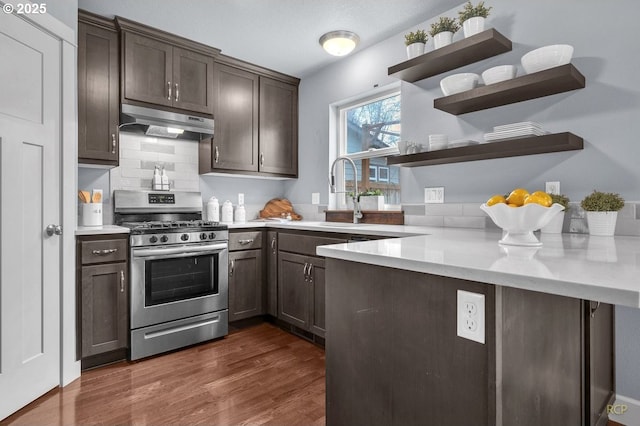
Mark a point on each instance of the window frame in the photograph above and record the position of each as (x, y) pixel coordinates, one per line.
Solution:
(338, 118)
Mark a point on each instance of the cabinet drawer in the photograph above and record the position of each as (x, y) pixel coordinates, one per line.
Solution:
(100, 251)
(245, 240)
(304, 244)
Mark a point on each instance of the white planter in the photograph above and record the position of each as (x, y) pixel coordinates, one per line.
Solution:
(371, 202)
(442, 39)
(415, 49)
(473, 26)
(602, 223)
(555, 225)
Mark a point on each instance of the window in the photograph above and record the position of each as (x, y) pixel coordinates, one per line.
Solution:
(369, 131)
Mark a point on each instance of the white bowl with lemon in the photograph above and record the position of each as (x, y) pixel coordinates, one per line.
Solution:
(521, 213)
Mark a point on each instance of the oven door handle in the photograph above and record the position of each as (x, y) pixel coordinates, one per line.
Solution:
(183, 251)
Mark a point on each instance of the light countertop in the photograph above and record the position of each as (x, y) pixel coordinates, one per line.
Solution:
(99, 230)
(346, 228)
(605, 269)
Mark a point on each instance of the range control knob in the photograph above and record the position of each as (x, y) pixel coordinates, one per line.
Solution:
(203, 236)
(184, 237)
(153, 239)
(164, 238)
(212, 236)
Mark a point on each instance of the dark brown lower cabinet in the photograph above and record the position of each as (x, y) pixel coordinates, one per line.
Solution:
(272, 273)
(103, 299)
(105, 324)
(394, 357)
(245, 284)
(301, 291)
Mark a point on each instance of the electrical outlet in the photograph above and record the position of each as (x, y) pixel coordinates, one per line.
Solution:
(471, 318)
(434, 195)
(240, 198)
(315, 198)
(552, 187)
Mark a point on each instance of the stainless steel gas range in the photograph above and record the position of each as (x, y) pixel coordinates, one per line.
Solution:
(179, 278)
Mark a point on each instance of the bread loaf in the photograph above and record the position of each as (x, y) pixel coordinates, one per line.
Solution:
(276, 207)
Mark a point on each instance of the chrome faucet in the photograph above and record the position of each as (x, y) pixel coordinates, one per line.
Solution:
(357, 214)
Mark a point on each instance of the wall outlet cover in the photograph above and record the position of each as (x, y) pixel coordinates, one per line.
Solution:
(315, 198)
(434, 195)
(240, 198)
(471, 316)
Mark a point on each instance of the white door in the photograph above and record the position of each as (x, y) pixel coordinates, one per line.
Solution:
(29, 202)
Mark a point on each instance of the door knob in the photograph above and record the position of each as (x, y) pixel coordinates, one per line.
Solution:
(54, 229)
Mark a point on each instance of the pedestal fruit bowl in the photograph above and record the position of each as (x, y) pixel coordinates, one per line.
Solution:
(518, 223)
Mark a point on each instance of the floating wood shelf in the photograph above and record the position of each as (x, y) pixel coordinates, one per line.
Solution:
(509, 148)
(463, 52)
(531, 86)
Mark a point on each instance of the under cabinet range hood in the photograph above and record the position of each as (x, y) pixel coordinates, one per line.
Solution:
(158, 123)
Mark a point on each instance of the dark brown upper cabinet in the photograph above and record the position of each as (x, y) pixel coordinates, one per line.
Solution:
(98, 90)
(235, 143)
(278, 127)
(256, 113)
(165, 70)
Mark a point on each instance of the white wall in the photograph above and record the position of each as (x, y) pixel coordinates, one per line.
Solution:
(605, 114)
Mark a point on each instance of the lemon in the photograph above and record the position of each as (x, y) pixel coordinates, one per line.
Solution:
(517, 196)
(496, 199)
(539, 197)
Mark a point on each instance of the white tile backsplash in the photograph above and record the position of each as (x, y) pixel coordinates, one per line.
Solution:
(139, 154)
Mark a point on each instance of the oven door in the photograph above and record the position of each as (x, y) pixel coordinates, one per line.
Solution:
(175, 282)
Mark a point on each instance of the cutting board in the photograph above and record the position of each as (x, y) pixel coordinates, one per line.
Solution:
(276, 207)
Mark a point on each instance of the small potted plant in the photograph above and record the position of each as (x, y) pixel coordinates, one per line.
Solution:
(369, 199)
(472, 18)
(415, 42)
(555, 225)
(602, 212)
(442, 31)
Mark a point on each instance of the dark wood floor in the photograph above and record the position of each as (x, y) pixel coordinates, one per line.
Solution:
(257, 375)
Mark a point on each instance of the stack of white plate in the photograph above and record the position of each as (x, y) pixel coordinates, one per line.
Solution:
(515, 130)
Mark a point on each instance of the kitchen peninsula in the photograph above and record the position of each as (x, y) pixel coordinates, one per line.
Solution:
(394, 356)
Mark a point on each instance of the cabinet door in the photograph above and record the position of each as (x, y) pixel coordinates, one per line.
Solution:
(192, 81)
(316, 276)
(105, 323)
(278, 127)
(245, 284)
(599, 359)
(147, 70)
(293, 289)
(98, 100)
(235, 143)
(272, 273)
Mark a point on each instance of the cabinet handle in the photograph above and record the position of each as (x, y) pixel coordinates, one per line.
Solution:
(273, 245)
(592, 309)
(249, 241)
(104, 252)
(310, 272)
(304, 271)
(121, 281)
(216, 157)
(231, 266)
(177, 92)
(169, 85)
(261, 159)
(113, 143)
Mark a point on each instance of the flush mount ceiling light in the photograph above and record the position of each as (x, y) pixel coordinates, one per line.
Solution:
(339, 43)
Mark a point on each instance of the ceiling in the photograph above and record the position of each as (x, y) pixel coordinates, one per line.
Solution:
(278, 34)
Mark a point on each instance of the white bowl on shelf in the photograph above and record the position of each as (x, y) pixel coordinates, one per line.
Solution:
(500, 73)
(458, 83)
(547, 57)
(520, 222)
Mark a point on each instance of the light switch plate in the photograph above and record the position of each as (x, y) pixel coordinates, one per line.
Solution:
(471, 318)
(434, 195)
(315, 198)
